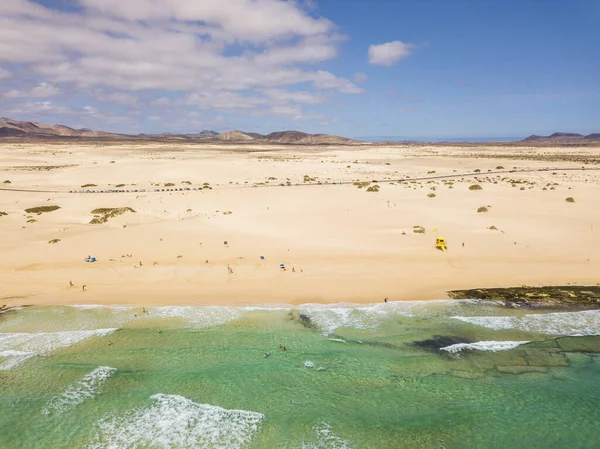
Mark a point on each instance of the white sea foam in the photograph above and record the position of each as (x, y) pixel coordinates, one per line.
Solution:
(560, 323)
(88, 387)
(172, 421)
(14, 358)
(491, 345)
(197, 317)
(326, 439)
(44, 343)
(309, 364)
(340, 340)
(331, 317)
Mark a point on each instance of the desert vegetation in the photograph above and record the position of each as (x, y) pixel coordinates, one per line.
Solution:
(102, 215)
(41, 209)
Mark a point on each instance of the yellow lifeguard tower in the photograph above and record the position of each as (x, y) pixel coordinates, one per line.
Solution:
(440, 243)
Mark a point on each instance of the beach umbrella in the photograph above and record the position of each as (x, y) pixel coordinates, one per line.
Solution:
(282, 265)
(262, 257)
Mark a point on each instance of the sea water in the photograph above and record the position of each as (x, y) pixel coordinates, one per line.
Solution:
(435, 374)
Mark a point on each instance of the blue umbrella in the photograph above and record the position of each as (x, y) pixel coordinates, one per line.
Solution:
(262, 257)
(282, 265)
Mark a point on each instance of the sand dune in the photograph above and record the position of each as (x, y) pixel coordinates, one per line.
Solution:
(343, 242)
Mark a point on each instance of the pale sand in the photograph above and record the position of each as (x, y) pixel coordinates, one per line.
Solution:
(345, 244)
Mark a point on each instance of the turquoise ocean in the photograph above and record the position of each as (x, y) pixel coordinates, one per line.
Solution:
(422, 374)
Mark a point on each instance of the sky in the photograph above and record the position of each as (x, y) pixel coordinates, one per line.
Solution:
(416, 69)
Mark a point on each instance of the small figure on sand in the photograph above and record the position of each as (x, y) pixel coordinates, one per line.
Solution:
(71, 284)
(109, 343)
(83, 287)
(385, 299)
(282, 347)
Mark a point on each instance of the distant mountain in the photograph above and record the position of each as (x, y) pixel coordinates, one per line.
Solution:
(10, 128)
(564, 138)
(236, 135)
(286, 137)
(204, 134)
(300, 138)
(14, 128)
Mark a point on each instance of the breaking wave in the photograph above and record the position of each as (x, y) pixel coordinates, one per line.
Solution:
(20, 346)
(172, 421)
(86, 388)
(574, 324)
(491, 345)
(14, 358)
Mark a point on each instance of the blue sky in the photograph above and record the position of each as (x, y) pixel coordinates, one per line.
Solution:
(416, 69)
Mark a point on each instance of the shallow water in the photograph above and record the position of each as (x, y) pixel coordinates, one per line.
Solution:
(452, 374)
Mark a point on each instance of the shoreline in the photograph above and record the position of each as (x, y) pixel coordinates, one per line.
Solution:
(570, 297)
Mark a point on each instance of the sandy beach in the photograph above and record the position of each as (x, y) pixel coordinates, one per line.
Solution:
(338, 242)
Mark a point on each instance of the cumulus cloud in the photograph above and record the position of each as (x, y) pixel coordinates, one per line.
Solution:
(389, 53)
(42, 90)
(235, 55)
(123, 99)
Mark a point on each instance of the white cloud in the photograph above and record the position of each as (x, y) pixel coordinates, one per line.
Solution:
(90, 110)
(123, 99)
(39, 108)
(253, 56)
(42, 90)
(4, 74)
(389, 53)
(360, 77)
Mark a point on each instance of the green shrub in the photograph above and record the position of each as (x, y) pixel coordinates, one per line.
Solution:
(120, 185)
(419, 230)
(373, 188)
(53, 241)
(482, 209)
(475, 187)
(431, 195)
(7, 182)
(88, 185)
(570, 200)
(169, 184)
(41, 209)
(102, 215)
